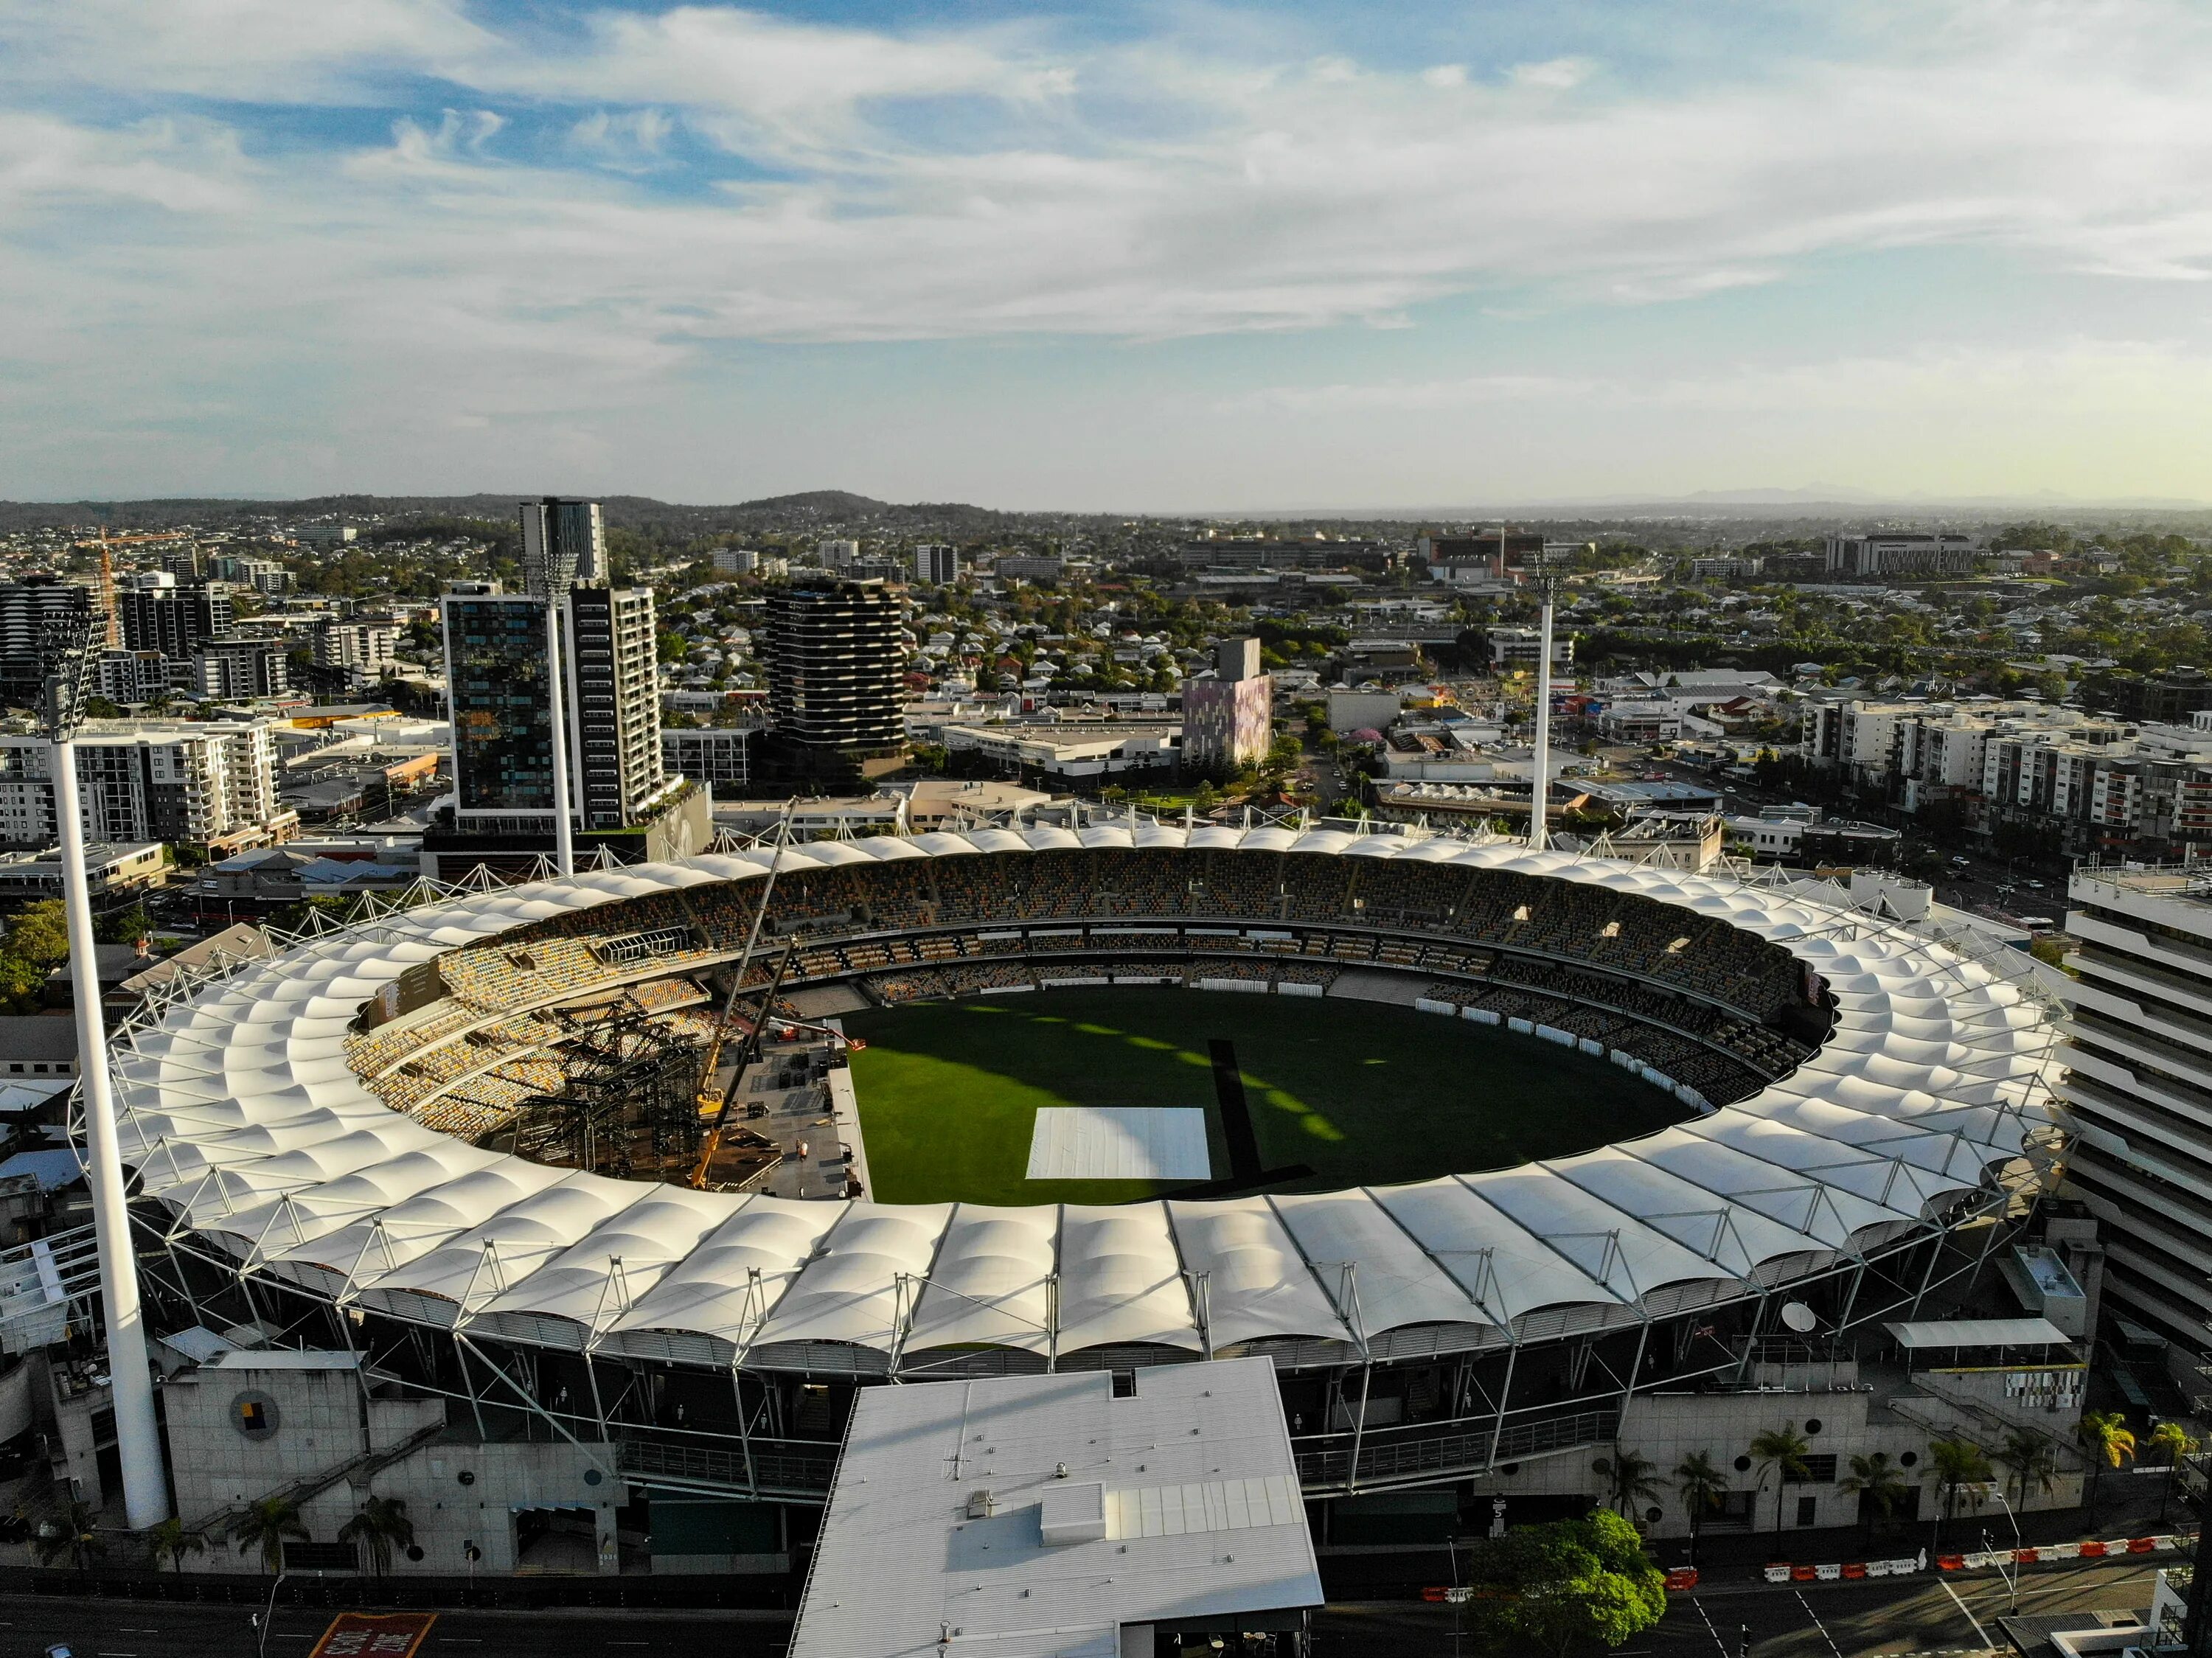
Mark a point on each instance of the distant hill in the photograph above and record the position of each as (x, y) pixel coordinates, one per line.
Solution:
(815, 509)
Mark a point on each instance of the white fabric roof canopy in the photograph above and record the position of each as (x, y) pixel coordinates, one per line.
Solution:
(243, 1116)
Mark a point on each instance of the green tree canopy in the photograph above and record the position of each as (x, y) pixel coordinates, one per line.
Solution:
(1564, 1587)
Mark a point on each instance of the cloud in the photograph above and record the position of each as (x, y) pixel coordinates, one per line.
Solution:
(572, 208)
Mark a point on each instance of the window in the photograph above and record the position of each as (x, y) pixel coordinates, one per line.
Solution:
(1819, 1471)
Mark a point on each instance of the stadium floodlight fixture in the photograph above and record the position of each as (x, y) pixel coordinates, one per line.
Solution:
(66, 668)
(67, 662)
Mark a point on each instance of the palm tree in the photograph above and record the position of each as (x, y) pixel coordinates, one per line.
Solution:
(1958, 1463)
(170, 1542)
(71, 1532)
(2033, 1458)
(265, 1525)
(2106, 1436)
(2173, 1441)
(1631, 1479)
(1879, 1485)
(381, 1526)
(1702, 1486)
(1782, 1450)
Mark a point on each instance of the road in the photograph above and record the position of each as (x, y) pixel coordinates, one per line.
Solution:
(1876, 1619)
(153, 1628)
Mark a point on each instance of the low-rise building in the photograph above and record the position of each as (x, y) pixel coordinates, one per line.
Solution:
(1072, 750)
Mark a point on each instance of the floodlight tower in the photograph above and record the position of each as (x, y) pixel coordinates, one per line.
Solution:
(549, 571)
(67, 657)
(1539, 777)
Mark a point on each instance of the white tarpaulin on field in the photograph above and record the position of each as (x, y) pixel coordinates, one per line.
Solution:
(1119, 1142)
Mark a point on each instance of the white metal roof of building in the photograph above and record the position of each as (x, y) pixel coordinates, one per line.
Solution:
(1179, 1501)
(1915, 1334)
(244, 1117)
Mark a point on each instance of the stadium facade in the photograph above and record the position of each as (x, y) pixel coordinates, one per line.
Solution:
(664, 1372)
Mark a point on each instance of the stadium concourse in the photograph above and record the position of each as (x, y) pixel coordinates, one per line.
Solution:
(1864, 1118)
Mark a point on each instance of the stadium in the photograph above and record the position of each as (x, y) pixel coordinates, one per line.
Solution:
(458, 1141)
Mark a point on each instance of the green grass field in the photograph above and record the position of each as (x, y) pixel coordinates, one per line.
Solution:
(1364, 1094)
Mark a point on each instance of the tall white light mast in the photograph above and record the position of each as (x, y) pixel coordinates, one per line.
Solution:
(66, 648)
(549, 571)
(1539, 775)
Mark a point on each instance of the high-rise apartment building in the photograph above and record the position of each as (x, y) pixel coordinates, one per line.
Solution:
(177, 622)
(2140, 1082)
(833, 656)
(564, 541)
(614, 705)
(502, 711)
(936, 563)
(207, 784)
(835, 553)
(27, 609)
(1227, 720)
(498, 686)
(736, 561)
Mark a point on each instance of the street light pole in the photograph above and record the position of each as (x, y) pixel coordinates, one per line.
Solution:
(68, 658)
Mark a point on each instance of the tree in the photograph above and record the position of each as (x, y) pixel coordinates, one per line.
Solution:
(1782, 1450)
(265, 1525)
(2106, 1436)
(1879, 1485)
(2031, 1458)
(69, 1532)
(1631, 1481)
(1957, 1464)
(125, 927)
(1569, 1584)
(381, 1526)
(1702, 1486)
(169, 1543)
(2172, 1441)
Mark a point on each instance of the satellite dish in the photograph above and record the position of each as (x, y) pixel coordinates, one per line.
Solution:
(1797, 1316)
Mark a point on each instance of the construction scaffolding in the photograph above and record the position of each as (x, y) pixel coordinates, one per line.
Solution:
(625, 1105)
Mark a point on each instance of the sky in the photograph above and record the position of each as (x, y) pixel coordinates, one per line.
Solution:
(1132, 257)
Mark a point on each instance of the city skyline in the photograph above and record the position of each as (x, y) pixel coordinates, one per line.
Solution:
(1182, 258)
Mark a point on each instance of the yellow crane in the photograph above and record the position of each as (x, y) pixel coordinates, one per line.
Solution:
(719, 1101)
(706, 1098)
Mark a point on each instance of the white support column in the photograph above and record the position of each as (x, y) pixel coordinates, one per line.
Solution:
(138, 1439)
(1540, 777)
(564, 832)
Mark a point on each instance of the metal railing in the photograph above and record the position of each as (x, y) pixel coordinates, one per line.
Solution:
(772, 1466)
(1403, 1456)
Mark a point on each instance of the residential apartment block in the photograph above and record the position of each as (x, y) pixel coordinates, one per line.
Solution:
(719, 757)
(1901, 554)
(2140, 1082)
(205, 784)
(2100, 782)
(614, 706)
(365, 652)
